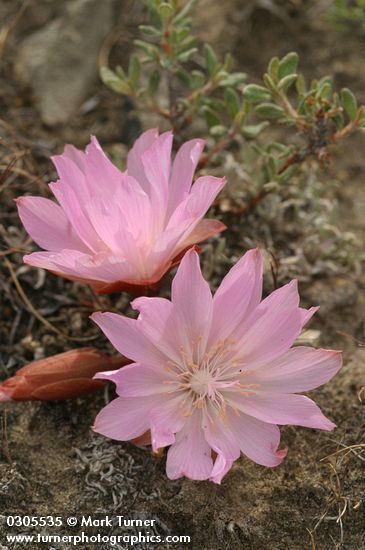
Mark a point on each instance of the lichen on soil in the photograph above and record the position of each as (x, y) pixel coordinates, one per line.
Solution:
(51, 463)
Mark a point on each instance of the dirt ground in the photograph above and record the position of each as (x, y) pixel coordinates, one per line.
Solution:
(51, 463)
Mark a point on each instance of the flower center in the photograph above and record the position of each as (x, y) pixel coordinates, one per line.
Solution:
(201, 381)
(207, 377)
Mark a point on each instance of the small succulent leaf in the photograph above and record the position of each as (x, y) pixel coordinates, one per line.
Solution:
(349, 103)
(255, 93)
(269, 110)
(285, 83)
(232, 102)
(252, 131)
(288, 65)
(153, 83)
(210, 59)
(115, 82)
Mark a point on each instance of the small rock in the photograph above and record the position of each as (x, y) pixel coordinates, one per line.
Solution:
(59, 62)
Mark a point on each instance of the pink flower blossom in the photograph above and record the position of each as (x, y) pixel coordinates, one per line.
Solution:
(214, 376)
(121, 230)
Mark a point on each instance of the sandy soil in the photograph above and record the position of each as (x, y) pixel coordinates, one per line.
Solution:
(58, 466)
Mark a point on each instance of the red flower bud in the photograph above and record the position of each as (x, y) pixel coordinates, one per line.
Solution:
(63, 376)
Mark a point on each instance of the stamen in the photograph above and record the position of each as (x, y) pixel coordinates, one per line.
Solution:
(204, 378)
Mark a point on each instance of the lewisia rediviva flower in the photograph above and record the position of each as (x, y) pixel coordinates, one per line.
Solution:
(214, 376)
(121, 230)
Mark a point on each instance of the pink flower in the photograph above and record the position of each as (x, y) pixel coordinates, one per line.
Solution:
(213, 377)
(121, 230)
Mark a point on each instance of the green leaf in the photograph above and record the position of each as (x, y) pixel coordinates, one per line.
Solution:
(185, 77)
(269, 110)
(153, 83)
(272, 166)
(270, 84)
(211, 117)
(324, 90)
(149, 30)
(181, 34)
(218, 131)
(233, 79)
(273, 68)
(120, 72)
(165, 10)
(339, 120)
(349, 103)
(278, 147)
(185, 56)
(165, 62)
(115, 82)
(232, 102)
(300, 85)
(251, 132)
(228, 62)
(210, 58)
(134, 70)
(214, 103)
(198, 79)
(288, 65)
(255, 93)
(184, 12)
(239, 119)
(187, 44)
(154, 16)
(285, 83)
(147, 48)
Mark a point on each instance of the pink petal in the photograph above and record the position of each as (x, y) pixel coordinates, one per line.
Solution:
(276, 408)
(106, 222)
(159, 323)
(80, 266)
(134, 160)
(171, 242)
(190, 455)
(112, 230)
(307, 314)
(258, 441)
(198, 202)
(103, 177)
(238, 294)
(125, 418)
(192, 299)
(204, 191)
(299, 369)
(166, 420)
(77, 189)
(183, 170)
(219, 435)
(135, 206)
(73, 204)
(137, 380)
(272, 327)
(220, 468)
(77, 156)
(180, 237)
(128, 339)
(107, 375)
(43, 260)
(47, 224)
(202, 231)
(156, 162)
